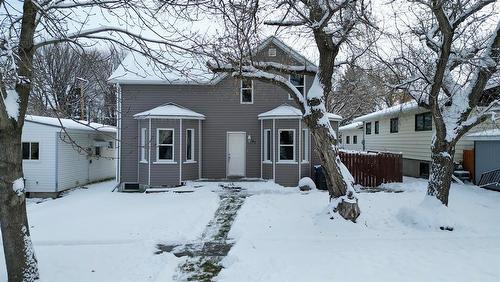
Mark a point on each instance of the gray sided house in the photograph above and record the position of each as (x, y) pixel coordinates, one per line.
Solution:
(173, 128)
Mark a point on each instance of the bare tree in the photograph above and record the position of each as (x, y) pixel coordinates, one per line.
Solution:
(330, 25)
(449, 53)
(25, 28)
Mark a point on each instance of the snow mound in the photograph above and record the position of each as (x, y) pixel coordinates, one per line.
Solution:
(429, 214)
(18, 186)
(306, 181)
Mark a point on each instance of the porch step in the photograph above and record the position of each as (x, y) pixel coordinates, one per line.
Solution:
(463, 175)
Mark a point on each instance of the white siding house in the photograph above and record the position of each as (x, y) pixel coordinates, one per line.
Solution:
(352, 136)
(57, 159)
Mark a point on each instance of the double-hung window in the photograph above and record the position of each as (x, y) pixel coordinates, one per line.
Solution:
(267, 145)
(355, 139)
(31, 150)
(376, 127)
(190, 145)
(368, 128)
(246, 91)
(299, 81)
(143, 144)
(394, 125)
(305, 141)
(348, 139)
(286, 145)
(423, 122)
(165, 145)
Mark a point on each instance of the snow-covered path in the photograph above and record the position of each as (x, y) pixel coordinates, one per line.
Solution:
(289, 237)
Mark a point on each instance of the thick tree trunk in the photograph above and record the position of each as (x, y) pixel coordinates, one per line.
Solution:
(442, 167)
(19, 255)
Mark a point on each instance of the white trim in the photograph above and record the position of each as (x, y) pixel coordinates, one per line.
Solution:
(199, 149)
(266, 147)
(279, 146)
(227, 151)
(29, 152)
(303, 85)
(181, 157)
(142, 145)
(165, 162)
(169, 117)
(192, 159)
(274, 150)
(241, 92)
(262, 136)
(149, 155)
(299, 160)
(307, 146)
(157, 145)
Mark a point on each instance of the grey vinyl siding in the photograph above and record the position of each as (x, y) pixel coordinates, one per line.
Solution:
(164, 173)
(487, 157)
(221, 105)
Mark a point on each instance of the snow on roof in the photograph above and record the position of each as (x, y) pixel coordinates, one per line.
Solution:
(489, 134)
(287, 111)
(182, 69)
(405, 107)
(350, 126)
(169, 110)
(71, 124)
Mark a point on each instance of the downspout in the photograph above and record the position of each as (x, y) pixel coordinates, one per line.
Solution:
(139, 141)
(180, 152)
(149, 154)
(261, 146)
(299, 159)
(364, 139)
(118, 151)
(274, 150)
(199, 149)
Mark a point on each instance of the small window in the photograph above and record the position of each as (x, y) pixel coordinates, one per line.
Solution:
(299, 81)
(30, 150)
(246, 92)
(424, 170)
(376, 127)
(394, 125)
(348, 139)
(97, 151)
(267, 145)
(110, 144)
(355, 139)
(143, 144)
(165, 145)
(423, 122)
(305, 140)
(272, 52)
(189, 144)
(368, 128)
(286, 145)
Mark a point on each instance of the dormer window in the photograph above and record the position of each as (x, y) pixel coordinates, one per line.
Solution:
(272, 52)
(246, 91)
(299, 81)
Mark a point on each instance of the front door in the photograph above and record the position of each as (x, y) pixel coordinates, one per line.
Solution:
(236, 153)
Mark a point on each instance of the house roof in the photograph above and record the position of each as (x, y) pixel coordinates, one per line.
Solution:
(183, 68)
(70, 124)
(169, 111)
(286, 111)
(350, 126)
(404, 107)
(488, 134)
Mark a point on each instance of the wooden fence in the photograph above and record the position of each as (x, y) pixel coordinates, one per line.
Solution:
(373, 169)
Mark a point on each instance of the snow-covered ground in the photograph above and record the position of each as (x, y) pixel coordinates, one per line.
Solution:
(289, 237)
(95, 235)
(281, 234)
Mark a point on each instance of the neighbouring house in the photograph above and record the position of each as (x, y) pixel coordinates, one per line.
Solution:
(406, 129)
(351, 136)
(189, 124)
(59, 154)
(486, 157)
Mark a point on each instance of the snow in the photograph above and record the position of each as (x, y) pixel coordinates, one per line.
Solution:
(350, 126)
(18, 186)
(96, 235)
(71, 124)
(307, 182)
(289, 237)
(12, 104)
(404, 107)
(170, 110)
(485, 134)
(287, 111)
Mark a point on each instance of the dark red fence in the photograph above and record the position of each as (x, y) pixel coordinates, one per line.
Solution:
(373, 169)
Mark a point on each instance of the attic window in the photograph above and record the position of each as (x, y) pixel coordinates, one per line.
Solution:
(272, 52)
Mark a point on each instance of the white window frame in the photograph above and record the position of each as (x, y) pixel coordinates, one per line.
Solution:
(158, 146)
(304, 85)
(267, 150)
(241, 91)
(305, 141)
(143, 145)
(191, 130)
(294, 160)
(29, 153)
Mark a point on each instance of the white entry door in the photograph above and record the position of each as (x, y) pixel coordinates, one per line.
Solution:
(236, 153)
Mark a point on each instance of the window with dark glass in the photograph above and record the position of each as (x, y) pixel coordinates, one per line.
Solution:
(305, 141)
(189, 144)
(267, 145)
(30, 150)
(424, 170)
(97, 151)
(368, 128)
(286, 145)
(165, 145)
(298, 80)
(246, 91)
(348, 139)
(376, 127)
(394, 125)
(355, 139)
(423, 122)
